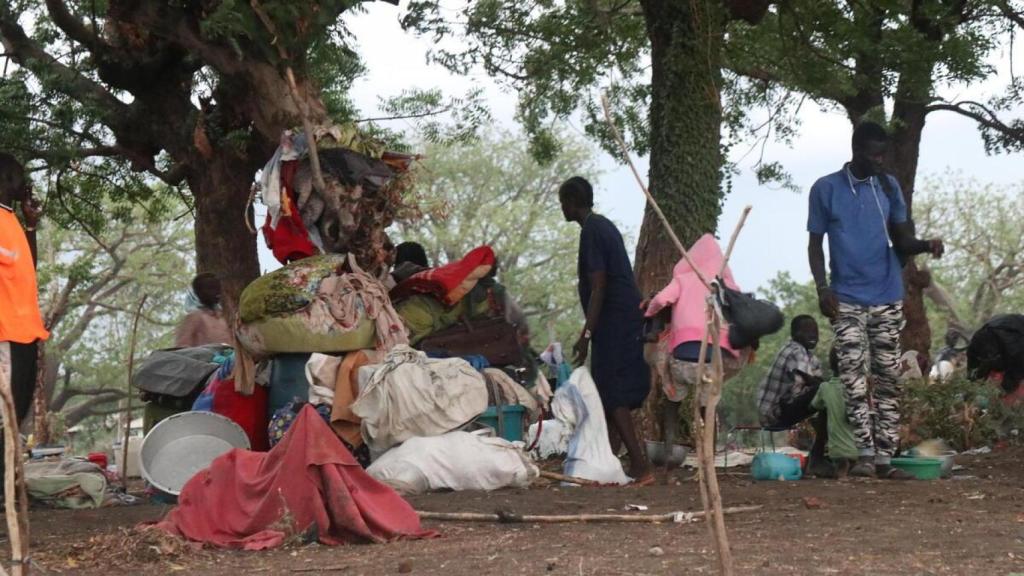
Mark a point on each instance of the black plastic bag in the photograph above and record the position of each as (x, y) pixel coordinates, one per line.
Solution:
(749, 319)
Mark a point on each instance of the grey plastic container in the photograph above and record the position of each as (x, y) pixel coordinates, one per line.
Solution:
(180, 446)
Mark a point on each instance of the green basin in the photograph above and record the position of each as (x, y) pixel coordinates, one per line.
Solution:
(921, 468)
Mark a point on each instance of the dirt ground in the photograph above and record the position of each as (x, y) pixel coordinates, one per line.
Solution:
(970, 525)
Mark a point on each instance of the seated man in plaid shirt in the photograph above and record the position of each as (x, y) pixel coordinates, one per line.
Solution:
(784, 396)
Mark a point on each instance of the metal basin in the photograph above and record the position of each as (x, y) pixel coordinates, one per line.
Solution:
(182, 445)
(656, 453)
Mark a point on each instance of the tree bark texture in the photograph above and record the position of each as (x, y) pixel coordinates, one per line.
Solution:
(908, 124)
(224, 244)
(686, 158)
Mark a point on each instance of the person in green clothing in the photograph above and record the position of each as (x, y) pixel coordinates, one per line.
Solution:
(842, 447)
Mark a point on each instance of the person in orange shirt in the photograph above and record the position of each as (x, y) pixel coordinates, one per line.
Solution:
(21, 324)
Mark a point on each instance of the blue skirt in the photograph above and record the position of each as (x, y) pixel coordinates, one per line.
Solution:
(617, 363)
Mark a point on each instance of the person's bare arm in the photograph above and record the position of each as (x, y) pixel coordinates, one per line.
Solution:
(905, 243)
(827, 301)
(598, 285)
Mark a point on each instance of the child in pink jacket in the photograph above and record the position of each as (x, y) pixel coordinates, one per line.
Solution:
(679, 348)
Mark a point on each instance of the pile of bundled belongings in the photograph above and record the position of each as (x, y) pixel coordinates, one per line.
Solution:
(334, 373)
(72, 483)
(364, 188)
(308, 486)
(322, 303)
(169, 381)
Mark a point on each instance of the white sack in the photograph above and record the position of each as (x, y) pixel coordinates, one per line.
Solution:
(454, 461)
(411, 395)
(322, 374)
(580, 431)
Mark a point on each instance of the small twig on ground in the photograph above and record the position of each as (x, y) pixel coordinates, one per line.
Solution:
(337, 568)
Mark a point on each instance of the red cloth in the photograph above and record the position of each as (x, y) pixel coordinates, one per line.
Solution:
(290, 240)
(243, 499)
(248, 411)
(451, 282)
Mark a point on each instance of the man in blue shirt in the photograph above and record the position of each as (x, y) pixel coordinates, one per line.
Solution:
(863, 212)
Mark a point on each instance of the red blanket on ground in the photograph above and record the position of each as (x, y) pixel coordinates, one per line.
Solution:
(449, 283)
(254, 500)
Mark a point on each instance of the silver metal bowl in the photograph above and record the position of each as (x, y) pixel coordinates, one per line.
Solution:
(656, 453)
(180, 446)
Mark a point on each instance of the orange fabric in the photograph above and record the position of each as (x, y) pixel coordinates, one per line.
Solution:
(20, 321)
(346, 389)
(449, 283)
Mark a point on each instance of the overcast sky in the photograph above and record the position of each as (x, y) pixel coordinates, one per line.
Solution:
(774, 238)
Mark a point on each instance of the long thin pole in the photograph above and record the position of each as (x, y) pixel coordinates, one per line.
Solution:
(647, 193)
(510, 518)
(128, 411)
(704, 424)
(16, 506)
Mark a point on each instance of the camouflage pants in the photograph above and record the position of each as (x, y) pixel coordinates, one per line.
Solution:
(868, 343)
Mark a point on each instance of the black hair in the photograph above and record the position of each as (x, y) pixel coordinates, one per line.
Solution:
(204, 279)
(868, 131)
(578, 191)
(411, 252)
(800, 321)
(12, 177)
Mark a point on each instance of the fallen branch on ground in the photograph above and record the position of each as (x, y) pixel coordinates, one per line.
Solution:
(511, 518)
(569, 479)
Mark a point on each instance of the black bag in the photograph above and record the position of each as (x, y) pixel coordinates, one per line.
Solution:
(655, 325)
(749, 319)
(175, 377)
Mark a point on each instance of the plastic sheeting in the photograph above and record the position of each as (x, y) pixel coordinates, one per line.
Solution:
(580, 431)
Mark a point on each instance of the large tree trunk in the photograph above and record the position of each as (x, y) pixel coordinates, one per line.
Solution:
(686, 158)
(224, 244)
(908, 123)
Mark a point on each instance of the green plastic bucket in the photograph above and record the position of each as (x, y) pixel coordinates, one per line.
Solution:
(921, 468)
(512, 418)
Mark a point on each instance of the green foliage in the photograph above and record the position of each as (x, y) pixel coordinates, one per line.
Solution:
(983, 229)
(439, 119)
(491, 191)
(965, 414)
(90, 283)
(858, 56)
(555, 54)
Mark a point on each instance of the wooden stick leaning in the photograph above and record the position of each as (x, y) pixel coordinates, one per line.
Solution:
(710, 494)
(508, 517)
(15, 498)
(128, 410)
(647, 193)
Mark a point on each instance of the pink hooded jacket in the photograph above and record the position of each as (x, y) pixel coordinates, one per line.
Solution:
(686, 295)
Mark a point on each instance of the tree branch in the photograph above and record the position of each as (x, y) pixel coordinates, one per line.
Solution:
(71, 26)
(982, 115)
(29, 54)
(1015, 16)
